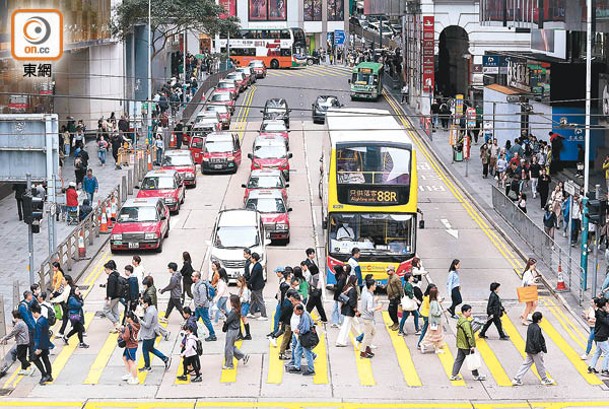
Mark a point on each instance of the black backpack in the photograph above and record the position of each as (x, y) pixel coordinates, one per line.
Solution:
(51, 317)
(123, 287)
(199, 347)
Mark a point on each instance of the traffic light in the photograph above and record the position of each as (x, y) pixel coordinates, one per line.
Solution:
(597, 209)
(27, 208)
(37, 207)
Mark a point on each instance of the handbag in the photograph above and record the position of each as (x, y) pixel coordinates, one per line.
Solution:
(343, 298)
(58, 312)
(74, 318)
(310, 339)
(527, 294)
(473, 361)
(433, 327)
(225, 327)
(408, 304)
(121, 343)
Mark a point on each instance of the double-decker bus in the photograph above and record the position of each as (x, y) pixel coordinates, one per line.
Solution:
(276, 47)
(366, 81)
(369, 192)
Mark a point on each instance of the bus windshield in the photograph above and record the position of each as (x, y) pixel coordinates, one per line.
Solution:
(360, 78)
(373, 164)
(379, 236)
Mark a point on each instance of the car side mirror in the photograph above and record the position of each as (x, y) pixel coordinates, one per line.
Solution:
(313, 106)
(163, 217)
(249, 155)
(349, 80)
(421, 224)
(289, 209)
(136, 186)
(267, 242)
(290, 155)
(287, 185)
(113, 219)
(244, 186)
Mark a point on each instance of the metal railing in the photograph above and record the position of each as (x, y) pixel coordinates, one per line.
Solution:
(555, 259)
(67, 252)
(205, 86)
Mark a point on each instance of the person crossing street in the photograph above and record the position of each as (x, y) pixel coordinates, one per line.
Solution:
(395, 292)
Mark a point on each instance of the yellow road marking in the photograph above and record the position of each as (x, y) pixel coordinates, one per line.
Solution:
(570, 353)
(556, 313)
(578, 334)
(403, 355)
(141, 376)
(62, 359)
(364, 366)
(492, 363)
(517, 340)
(230, 375)
(321, 363)
(38, 404)
(101, 361)
(275, 375)
(447, 360)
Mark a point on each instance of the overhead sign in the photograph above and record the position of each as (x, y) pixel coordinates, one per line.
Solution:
(339, 37)
(494, 64)
(428, 53)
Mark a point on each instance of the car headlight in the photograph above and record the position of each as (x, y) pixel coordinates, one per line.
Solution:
(150, 236)
(281, 226)
(117, 237)
(170, 200)
(190, 175)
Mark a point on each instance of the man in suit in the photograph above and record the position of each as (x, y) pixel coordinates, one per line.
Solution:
(494, 310)
(256, 284)
(41, 345)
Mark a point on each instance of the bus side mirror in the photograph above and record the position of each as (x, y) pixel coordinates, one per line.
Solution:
(421, 224)
(249, 155)
(243, 186)
(349, 80)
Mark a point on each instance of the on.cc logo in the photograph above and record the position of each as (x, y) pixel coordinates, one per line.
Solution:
(37, 34)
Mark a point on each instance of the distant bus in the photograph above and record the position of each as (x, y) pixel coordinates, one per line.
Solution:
(366, 81)
(276, 47)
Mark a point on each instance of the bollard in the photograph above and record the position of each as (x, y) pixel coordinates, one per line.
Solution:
(82, 250)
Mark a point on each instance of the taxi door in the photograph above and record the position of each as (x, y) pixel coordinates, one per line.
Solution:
(196, 149)
(237, 150)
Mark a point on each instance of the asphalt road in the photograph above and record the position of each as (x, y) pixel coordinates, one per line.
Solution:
(398, 376)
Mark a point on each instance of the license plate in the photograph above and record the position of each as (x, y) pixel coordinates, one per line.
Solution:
(217, 166)
(134, 245)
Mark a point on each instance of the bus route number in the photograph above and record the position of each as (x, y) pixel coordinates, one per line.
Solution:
(367, 196)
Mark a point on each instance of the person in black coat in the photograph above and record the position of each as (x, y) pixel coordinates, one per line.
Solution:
(494, 310)
(256, 284)
(112, 294)
(543, 187)
(535, 349)
(186, 272)
(19, 189)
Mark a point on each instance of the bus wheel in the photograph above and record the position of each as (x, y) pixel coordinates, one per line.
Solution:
(274, 64)
(310, 61)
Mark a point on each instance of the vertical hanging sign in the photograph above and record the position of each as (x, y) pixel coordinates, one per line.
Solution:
(428, 54)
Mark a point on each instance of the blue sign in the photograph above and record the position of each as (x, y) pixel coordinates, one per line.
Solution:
(339, 37)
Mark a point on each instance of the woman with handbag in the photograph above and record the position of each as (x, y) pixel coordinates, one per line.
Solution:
(410, 305)
(530, 277)
(341, 281)
(76, 315)
(434, 338)
(424, 312)
(232, 328)
(348, 299)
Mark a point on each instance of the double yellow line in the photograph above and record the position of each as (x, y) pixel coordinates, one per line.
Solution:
(469, 208)
(244, 111)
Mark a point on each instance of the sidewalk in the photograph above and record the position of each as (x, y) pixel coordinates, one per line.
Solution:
(481, 191)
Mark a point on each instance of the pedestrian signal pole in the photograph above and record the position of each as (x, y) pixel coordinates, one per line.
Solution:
(27, 217)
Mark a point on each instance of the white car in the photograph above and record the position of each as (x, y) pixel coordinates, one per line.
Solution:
(234, 231)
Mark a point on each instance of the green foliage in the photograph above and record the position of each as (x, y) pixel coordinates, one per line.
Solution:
(170, 17)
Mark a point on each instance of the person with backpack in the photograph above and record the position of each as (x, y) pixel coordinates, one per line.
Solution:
(129, 334)
(304, 326)
(42, 344)
(175, 289)
(130, 292)
(466, 344)
(76, 315)
(24, 309)
(113, 295)
(19, 351)
(549, 222)
(190, 355)
(149, 324)
(201, 292)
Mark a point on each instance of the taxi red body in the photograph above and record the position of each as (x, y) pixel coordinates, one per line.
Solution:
(141, 224)
(229, 86)
(271, 153)
(239, 79)
(181, 161)
(266, 179)
(221, 153)
(223, 113)
(196, 148)
(222, 98)
(166, 184)
(259, 68)
(274, 128)
(274, 212)
(248, 74)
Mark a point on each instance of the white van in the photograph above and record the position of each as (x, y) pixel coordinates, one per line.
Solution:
(234, 231)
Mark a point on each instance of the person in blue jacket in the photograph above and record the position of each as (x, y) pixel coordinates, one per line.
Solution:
(26, 314)
(41, 346)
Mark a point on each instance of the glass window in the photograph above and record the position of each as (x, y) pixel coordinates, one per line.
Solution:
(265, 182)
(373, 164)
(138, 214)
(218, 146)
(376, 234)
(177, 160)
(364, 79)
(270, 151)
(266, 205)
(285, 34)
(286, 52)
(158, 183)
(234, 237)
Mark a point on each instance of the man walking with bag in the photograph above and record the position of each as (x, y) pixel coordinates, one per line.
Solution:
(535, 349)
(494, 310)
(395, 292)
(466, 346)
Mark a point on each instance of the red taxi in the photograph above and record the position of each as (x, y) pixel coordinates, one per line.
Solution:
(222, 98)
(271, 153)
(222, 112)
(239, 79)
(229, 86)
(266, 179)
(181, 161)
(247, 71)
(274, 211)
(273, 127)
(202, 129)
(141, 224)
(166, 184)
(258, 67)
(221, 153)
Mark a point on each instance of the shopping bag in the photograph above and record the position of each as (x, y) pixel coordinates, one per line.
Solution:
(527, 294)
(408, 304)
(58, 312)
(473, 361)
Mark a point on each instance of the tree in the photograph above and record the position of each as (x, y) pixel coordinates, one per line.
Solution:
(170, 17)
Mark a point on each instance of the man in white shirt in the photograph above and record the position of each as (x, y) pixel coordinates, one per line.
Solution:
(345, 232)
(138, 271)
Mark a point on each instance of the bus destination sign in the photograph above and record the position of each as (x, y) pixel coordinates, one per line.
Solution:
(365, 70)
(373, 196)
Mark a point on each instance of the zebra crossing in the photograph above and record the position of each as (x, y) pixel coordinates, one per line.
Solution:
(313, 71)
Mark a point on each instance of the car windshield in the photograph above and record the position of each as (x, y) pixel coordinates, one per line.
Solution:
(235, 76)
(216, 108)
(274, 127)
(262, 182)
(234, 237)
(226, 84)
(258, 64)
(375, 234)
(138, 214)
(218, 146)
(270, 151)
(158, 183)
(327, 102)
(177, 160)
(266, 205)
(220, 97)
